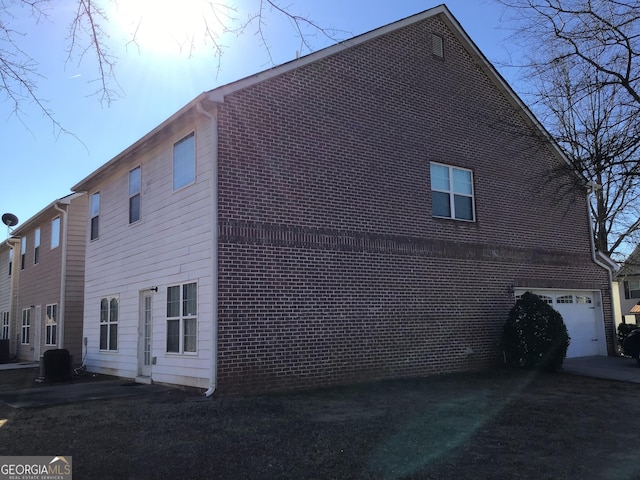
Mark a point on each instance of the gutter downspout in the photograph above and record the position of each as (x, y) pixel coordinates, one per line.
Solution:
(590, 188)
(213, 376)
(63, 276)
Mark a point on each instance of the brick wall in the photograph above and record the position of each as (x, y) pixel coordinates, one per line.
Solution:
(331, 266)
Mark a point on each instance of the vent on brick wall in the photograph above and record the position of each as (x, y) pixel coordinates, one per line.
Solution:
(437, 46)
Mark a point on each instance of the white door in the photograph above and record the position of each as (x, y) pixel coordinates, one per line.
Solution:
(579, 311)
(37, 332)
(144, 336)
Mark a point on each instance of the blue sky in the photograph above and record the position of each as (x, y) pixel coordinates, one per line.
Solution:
(40, 165)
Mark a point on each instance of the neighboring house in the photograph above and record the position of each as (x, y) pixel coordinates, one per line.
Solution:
(50, 257)
(369, 211)
(628, 289)
(8, 294)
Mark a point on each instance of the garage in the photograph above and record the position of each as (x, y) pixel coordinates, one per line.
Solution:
(582, 314)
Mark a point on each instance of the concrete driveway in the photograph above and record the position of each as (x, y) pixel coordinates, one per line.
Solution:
(612, 368)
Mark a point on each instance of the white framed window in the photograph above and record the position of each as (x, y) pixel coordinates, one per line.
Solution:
(184, 162)
(109, 323)
(583, 299)
(4, 334)
(55, 233)
(564, 299)
(26, 326)
(452, 192)
(134, 195)
(23, 251)
(95, 215)
(10, 261)
(36, 247)
(182, 320)
(51, 328)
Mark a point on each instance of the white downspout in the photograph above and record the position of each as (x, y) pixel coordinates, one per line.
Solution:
(591, 187)
(63, 276)
(213, 376)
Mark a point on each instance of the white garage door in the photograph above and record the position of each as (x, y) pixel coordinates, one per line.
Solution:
(579, 311)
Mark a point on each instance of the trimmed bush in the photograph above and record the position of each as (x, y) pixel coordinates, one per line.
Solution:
(624, 329)
(534, 335)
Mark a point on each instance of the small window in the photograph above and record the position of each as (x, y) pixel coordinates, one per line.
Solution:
(437, 47)
(631, 289)
(26, 326)
(51, 332)
(36, 248)
(55, 233)
(134, 195)
(583, 299)
(10, 261)
(5, 326)
(182, 321)
(546, 298)
(451, 192)
(184, 162)
(564, 299)
(95, 215)
(109, 324)
(23, 251)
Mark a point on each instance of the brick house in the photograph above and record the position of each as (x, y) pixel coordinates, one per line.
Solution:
(379, 206)
(49, 257)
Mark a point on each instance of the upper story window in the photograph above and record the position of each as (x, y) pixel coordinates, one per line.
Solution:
(95, 215)
(10, 261)
(134, 195)
(55, 232)
(23, 251)
(452, 192)
(184, 162)
(36, 247)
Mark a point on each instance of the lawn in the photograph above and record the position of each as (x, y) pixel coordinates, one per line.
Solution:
(491, 425)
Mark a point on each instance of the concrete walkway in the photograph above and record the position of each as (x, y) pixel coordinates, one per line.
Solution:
(612, 368)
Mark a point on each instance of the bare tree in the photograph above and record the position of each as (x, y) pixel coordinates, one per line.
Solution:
(582, 61)
(89, 41)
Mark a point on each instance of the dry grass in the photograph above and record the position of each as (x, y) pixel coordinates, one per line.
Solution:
(494, 425)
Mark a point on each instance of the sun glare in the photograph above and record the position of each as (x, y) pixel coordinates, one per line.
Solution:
(169, 27)
(3, 422)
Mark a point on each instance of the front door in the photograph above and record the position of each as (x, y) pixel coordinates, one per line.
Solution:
(144, 336)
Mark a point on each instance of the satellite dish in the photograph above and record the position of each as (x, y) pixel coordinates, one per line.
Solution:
(9, 219)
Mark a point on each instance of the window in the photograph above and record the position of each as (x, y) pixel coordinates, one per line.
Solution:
(55, 232)
(52, 325)
(451, 192)
(95, 215)
(26, 326)
(134, 195)
(36, 248)
(583, 299)
(631, 289)
(184, 162)
(23, 251)
(564, 299)
(4, 335)
(10, 260)
(109, 323)
(182, 323)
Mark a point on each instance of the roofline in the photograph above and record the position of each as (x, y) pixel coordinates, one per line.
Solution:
(218, 94)
(66, 200)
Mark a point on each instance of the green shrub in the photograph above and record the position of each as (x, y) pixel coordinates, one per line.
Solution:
(534, 335)
(624, 329)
